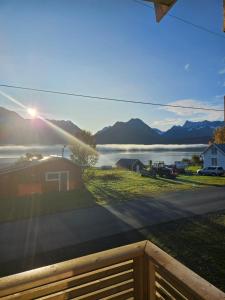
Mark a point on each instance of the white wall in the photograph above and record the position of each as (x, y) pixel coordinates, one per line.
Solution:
(207, 158)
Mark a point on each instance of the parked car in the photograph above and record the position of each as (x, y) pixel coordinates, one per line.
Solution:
(213, 171)
(148, 173)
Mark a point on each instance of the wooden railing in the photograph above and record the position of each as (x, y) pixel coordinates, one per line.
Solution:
(138, 271)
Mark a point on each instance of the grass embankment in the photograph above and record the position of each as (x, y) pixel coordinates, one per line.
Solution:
(198, 242)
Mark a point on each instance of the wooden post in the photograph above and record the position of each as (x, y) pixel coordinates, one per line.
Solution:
(152, 286)
(162, 7)
(139, 278)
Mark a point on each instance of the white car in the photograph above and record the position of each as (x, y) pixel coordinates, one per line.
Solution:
(214, 171)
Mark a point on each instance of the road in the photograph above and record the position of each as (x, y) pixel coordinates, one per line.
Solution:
(47, 239)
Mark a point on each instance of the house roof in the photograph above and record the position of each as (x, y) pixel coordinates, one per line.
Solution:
(28, 164)
(127, 162)
(221, 147)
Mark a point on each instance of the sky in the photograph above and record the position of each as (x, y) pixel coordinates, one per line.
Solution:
(115, 49)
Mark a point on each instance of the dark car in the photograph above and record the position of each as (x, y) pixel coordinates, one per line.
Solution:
(213, 171)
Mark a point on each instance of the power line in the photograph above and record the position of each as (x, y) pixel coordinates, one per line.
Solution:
(107, 98)
(185, 21)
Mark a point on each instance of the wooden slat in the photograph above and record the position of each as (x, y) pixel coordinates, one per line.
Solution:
(37, 277)
(105, 292)
(159, 297)
(196, 286)
(125, 295)
(170, 288)
(108, 274)
(180, 286)
(164, 293)
(91, 287)
(70, 282)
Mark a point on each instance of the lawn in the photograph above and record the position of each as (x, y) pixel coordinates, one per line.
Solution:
(193, 169)
(198, 242)
(119, 185)
(102, 187)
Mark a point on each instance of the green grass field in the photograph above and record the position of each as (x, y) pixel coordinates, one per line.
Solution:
(119, 185)
(102, 187)
(198, 242)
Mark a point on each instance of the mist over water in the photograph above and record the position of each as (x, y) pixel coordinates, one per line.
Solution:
(134, 147)
(108, 154)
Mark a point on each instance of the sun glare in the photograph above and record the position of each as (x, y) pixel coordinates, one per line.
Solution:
(32, 112)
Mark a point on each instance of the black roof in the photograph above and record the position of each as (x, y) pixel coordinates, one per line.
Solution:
(128, 162)
(28, 164)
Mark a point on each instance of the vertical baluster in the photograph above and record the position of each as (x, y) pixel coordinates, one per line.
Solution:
(151, 280)
(139, 278)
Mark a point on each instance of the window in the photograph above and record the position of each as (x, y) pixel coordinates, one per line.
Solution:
(214, 151)
(214, 161)
(52, 176)
(62, 177)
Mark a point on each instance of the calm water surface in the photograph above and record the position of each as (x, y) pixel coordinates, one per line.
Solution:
(109, 154)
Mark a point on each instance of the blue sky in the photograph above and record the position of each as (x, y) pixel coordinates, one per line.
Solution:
(112, 48)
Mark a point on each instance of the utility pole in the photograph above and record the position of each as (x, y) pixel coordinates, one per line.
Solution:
(224, 15)
(64, 146)
(224, 109)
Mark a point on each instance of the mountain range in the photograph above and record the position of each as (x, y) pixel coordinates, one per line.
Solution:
(135, 131)
(19, 131)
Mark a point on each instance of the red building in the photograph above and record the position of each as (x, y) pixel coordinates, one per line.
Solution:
(40, 176)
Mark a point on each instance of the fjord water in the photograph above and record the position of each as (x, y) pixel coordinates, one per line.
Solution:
(108, 154)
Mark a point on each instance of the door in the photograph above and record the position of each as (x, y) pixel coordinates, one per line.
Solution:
(64, 181)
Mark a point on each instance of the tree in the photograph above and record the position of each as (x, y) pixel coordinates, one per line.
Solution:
(84, 150)
(196, 159)
(186, 160)
(29, 156)
(219, 135)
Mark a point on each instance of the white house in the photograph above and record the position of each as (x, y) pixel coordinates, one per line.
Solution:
(214, 155)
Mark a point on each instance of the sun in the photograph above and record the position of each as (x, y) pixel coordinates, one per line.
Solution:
(32, 112)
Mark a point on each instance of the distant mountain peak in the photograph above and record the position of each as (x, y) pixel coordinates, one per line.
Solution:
(20, 131)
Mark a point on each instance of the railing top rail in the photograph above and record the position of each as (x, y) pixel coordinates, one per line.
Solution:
(44, 275)
(190, 281)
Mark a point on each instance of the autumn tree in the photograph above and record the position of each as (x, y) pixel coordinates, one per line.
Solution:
(84, 149)
(196, 159)
(219, 135)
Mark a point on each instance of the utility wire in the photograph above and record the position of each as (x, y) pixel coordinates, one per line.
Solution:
(184, 21)
(106, 98)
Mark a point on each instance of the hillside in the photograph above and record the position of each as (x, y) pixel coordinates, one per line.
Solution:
(16, 130)
(136, 131)
(19, 131)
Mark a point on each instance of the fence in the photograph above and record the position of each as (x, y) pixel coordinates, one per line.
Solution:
(139, 271)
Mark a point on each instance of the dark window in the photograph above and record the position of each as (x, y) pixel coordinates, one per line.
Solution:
(52, 176)
(214, 161)
(214, 150)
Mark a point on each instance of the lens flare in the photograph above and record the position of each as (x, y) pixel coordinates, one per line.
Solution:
(32, 112)
(69, 137)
